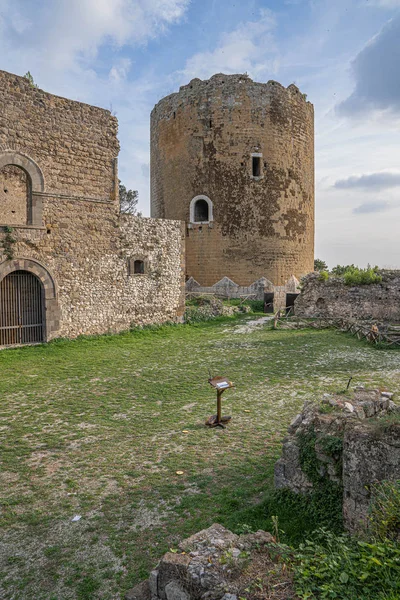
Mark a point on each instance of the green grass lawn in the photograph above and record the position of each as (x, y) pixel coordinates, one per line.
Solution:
(99, 427)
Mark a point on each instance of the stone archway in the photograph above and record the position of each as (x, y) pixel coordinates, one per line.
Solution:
(36, 182)
(51, 315)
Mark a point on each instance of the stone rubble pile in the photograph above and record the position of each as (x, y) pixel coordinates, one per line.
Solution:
(205, 567)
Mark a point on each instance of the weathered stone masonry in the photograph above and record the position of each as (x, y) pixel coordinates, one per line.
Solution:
(333, 298)
(260, 218)
(72, 236)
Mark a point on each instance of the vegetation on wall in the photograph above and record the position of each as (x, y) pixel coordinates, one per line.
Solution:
(8, 242)
(351, 274)
(29, 77)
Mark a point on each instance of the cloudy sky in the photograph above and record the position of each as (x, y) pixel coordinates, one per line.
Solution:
(345, 54)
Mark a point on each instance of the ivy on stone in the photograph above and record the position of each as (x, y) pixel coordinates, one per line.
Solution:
(8, 242)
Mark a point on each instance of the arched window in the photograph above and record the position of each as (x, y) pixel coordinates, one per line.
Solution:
(201, 210)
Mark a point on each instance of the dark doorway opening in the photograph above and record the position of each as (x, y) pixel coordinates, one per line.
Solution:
(21, 309)
(269, 302)
(290, 299)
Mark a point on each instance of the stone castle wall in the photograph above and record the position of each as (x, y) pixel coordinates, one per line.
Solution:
(74, 144)
(332, 298)
(202, 141)
(76, 241)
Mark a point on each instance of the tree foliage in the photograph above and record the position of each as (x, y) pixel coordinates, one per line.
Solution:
(320, 265)
(128, 200)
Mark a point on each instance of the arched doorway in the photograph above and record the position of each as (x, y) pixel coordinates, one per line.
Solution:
(22, 315)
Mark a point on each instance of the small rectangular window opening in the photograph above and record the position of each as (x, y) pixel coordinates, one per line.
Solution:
(138, 267)
(256, 166)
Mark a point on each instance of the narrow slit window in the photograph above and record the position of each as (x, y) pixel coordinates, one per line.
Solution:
(138, 267)
(256, 166)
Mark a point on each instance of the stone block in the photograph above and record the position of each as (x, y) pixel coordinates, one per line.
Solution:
(172, 567)
(216, 535)
(174, 591)
(141, 591)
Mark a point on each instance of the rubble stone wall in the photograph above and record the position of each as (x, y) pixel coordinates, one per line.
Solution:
(371, 453)
(352, 448)
(88, 255)
(333, 298)
(75, 144)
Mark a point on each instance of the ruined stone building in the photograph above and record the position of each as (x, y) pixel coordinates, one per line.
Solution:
(70, 264)
(232, 188)
(234, 159)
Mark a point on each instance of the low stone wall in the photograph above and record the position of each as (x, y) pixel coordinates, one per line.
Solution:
(332, 298)
(352, 447)
(226, 288)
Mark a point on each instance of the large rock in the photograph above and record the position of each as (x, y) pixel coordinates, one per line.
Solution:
(371, 453)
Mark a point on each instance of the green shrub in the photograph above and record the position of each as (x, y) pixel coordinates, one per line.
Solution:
(356, 276)
(337, 566)
(323, 276)
(198, 314)
(255, 305)
(353, 275)
(384, 518)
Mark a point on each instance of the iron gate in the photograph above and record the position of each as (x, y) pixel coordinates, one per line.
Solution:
(21, 309)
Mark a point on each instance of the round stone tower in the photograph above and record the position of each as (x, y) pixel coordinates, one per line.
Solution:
(235, 160)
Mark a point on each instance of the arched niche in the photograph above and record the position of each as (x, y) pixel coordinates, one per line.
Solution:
(35, 182)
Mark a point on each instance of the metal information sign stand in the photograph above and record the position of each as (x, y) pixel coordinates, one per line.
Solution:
(220, 384)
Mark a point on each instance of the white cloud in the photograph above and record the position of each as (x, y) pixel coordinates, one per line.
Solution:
(120, 70)
(59, 42)
(249, 48)
(65, 30)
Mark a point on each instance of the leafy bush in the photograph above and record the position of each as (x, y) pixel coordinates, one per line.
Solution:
(337, 566)
(384, 518)
(324, 276)
(356, 276)
(353, 275)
